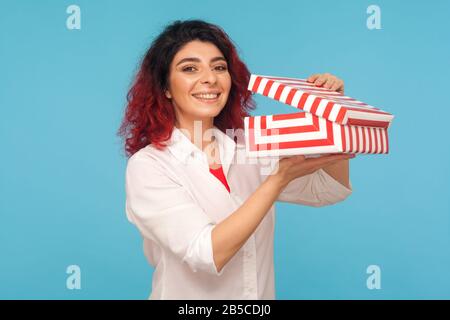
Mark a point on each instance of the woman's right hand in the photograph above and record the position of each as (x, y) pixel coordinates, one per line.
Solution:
(292, 167)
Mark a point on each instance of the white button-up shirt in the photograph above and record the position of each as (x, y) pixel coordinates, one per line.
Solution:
(175, 202)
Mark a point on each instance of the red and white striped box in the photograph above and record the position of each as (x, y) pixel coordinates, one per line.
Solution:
(330, 123)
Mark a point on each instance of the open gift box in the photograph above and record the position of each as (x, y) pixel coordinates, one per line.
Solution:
(330, 122)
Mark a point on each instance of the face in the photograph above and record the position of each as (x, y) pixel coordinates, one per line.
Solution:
(199, 82)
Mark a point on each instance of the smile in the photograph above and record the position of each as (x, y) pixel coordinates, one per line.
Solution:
(207, 97)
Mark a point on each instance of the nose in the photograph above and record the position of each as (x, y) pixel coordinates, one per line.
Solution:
(208, 76)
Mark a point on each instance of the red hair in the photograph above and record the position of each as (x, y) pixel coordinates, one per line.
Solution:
(149, 115)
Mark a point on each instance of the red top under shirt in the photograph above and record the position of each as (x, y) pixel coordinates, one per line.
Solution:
(219, 175)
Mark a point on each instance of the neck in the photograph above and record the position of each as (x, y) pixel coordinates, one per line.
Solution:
(200, 132)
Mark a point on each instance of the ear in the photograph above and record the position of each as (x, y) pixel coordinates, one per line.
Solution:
(167, 93)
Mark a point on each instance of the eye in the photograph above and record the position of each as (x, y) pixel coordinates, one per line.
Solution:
(188, 69)
(221, 68)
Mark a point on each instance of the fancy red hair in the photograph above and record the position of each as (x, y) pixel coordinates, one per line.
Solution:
(149, 116)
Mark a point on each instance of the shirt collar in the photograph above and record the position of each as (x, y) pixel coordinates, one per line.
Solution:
(185, 151)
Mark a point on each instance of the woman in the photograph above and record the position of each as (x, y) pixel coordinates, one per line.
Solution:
(206, 213)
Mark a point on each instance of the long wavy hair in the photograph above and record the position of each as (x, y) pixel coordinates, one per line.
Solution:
(150, 116)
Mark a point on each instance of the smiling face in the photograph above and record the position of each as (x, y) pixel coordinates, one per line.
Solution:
(199, 83)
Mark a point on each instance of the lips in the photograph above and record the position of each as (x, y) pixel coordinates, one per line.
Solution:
(207, 97)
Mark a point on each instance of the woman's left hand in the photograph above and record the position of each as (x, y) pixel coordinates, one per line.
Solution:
(327, 81)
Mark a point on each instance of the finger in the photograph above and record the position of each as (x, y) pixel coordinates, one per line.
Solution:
(299, 157)
(337, 85)
(320, 81)
(310, 165)
(326, 160)
(313, 77)
(329, 83)
(295, 158)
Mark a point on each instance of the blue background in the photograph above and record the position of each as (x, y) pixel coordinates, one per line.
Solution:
(62, 96)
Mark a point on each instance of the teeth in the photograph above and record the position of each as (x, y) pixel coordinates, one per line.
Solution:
(206, 95)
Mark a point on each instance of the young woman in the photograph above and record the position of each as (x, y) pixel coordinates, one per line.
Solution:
(205, 211)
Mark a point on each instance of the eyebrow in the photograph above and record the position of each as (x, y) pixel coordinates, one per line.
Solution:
(198, 60)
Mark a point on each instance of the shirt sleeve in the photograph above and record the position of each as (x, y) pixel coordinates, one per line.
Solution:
(164, 212)
(317, 189)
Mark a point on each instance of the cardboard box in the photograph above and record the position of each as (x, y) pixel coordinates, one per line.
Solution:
(330, 122)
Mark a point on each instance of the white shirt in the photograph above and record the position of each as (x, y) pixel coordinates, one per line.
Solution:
(175, 202)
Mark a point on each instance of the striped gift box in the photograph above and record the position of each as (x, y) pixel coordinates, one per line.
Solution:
(330, 123)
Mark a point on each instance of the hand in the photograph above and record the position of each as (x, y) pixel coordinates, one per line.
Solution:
(290, 168)
(327, 81)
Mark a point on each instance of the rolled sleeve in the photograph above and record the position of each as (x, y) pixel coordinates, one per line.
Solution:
(200, 252)
(164, 212)
(316, 189)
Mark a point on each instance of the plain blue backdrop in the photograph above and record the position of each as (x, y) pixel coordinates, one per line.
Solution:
(62, 96)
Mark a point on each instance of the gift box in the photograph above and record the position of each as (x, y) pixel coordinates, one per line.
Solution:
(329, 123)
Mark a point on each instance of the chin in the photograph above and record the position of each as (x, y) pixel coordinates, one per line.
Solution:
(212, 110)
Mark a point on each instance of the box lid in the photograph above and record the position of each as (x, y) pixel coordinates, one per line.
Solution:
(321, 102)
